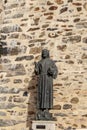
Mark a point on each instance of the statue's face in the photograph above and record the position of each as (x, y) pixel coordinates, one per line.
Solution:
(45, 53)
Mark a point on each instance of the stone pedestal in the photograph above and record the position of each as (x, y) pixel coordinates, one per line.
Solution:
(43, 125)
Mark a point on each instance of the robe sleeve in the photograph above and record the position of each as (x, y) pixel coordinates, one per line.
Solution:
(53, 71)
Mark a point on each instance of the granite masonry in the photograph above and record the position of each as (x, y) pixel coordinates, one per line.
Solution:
(27, 27)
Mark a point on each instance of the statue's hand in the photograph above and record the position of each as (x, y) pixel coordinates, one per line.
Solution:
(50, 71)
(35, 63)
(36, 70)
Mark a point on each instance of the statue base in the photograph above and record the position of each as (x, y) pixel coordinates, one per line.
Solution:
(44, 115)
(43, 125)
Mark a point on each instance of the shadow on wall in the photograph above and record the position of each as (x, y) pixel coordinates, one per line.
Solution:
(32, 90)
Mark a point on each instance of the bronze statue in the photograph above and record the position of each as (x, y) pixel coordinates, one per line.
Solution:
(47, 71)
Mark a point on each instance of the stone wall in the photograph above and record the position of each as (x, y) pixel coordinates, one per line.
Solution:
(28, 26)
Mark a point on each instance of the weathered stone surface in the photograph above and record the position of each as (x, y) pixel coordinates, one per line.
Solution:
(42, 34)
(79, 9)
(31, 112)
(60, 114)
(63, 10)
(2, 99)
(53, 8)
(8, 21)
(35, 50)
(36, 21)
(70, 1)
(74, 100)
(67, 106)
(4, 81)
(1, 67)
(51, 29)
(62, 48)
(65, 78)
(49, 17)
(4, 90)
(77, 4)
(18, 15)
(34, 29)
(49, 3)
(15, 35)
(58, 84)
(25, 58)
(31, 87)
(72, 39)
(68, 34)
(31, 45)
(26, 80)
(4, 123)
(17, 81)
(14, 90)
(76, 19)
(10, 99)
(85, 39)
(59, 1)
(19, 100)
(25, 36)
(84, 56)
(83, 126)
(9, 29)
(43, 43)
(84, 115)
(2, 113)
(3, 37)
(11, 6)
(16, 50)
(85, 6)
(10, 106)
(45, 25)
(4, 51)
(46, 14)
(7, 90)
(52, 35)
(5, 60)
(7, 12)
(57, 107)
(81, 25)
(70, 62)
(37, 9)
(62, 20)
(14, 70)
(36, 40)
(67, 57)
(7, 106)
(0, 10)
(22, 4)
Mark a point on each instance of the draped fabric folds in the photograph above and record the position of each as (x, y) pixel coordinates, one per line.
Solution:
(47, 70)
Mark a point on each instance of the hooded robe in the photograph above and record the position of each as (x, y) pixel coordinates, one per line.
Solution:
(46, 70)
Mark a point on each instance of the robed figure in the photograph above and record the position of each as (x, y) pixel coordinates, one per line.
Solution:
(47, 71)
